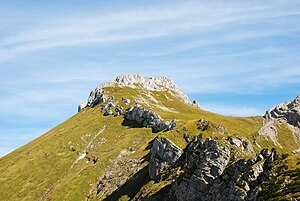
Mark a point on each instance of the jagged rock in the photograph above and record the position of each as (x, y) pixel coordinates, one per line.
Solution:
(104, 107)
(203, 125)
(95, 159)
(196, 104)
(164, 153)
(221, 129)
(148, 83)
(242, 143)
(119, 110)
(108, 112)
(297, 151)
(186, 138)
(202, 164)
(110, 98)
(111, 104)
(126, 101)
(81, 106)
(96, 96)
(209, 175)
(235, 141)
(289, 111)
(147, 118)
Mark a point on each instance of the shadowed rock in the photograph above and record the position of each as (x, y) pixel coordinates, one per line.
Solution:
(210, 174)
(289, 111)
(164, 153)
(147, 118)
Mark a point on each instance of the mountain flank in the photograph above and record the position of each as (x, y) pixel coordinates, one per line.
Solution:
(141, 138)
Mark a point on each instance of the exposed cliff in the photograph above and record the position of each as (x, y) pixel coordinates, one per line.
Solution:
(154, 83)
(289, 111)
(210, 173)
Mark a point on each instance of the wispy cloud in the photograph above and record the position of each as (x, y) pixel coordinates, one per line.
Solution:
(147, 23)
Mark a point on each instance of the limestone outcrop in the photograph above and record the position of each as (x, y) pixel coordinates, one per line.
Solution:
(211, 173)
(164, 153)
(81, 106)
(289, 111)
(243, 143)
(147, 118)
(96, 96)
(155, 83)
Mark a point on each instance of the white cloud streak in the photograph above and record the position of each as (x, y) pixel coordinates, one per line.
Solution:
(144, 24)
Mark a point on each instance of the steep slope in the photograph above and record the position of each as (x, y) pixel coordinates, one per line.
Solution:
(135, 138)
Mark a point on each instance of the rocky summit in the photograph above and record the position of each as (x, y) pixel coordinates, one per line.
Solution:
(138, 81)
(289, 111)
(142, 138)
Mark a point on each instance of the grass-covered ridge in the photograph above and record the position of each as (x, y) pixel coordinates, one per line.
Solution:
(67, 162)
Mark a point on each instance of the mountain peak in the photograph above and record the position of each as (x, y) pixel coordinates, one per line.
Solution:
(154, 83)
(289, 111)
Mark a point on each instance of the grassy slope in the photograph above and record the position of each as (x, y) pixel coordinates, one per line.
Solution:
(42, 168)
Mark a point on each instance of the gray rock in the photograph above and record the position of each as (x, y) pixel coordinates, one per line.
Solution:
(133, 80)
(96, 97)
(95, 159)
(209, 175)
(186, 138)
(110, 98)
(242, 143)
(108, 112)
(196, 104)
(81, 106)
(289, 111)
(110, 104)
(203, 125)
(147, 118)
(164, 153)
(126, 101)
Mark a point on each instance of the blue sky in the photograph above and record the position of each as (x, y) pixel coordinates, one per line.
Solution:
(234, 57)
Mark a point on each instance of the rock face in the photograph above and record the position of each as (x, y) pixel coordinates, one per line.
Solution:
(242, 143)
(133, 80)
(203, 163)
(81, 106)
(289, 111)
(126, 100)
(163, 154)
(210, 174)
(196, 104)
(269, 130)
(147, 118)
(97, 96)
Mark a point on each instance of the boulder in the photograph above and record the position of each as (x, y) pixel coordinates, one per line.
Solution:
(203, 125)
(96, 97)
(126, 101)
(210, 174)
(81, 106)
(119, 110)
(164, 153)
(196, 104)
(108, 112)
(289, 111)
(243, 143)
(147, 118)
